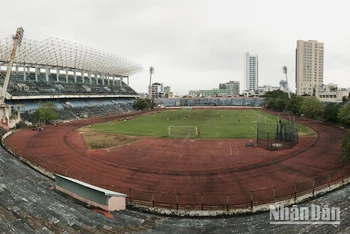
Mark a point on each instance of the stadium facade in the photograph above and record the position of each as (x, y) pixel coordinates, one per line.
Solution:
(80, 81)
(70, 75)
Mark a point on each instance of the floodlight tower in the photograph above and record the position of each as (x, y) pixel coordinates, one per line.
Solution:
(151, 72)
(285, 71)
(17, 39)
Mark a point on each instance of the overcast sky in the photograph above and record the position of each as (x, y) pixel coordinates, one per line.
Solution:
(193, 44)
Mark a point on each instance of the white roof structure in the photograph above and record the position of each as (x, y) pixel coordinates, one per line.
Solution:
(105, 191)
(61, 54)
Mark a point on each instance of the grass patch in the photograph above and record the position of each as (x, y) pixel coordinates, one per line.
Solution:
(96, 141)
(305, 131)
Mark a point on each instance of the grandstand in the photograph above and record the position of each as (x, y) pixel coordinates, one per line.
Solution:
(79, 80)
(217, 101)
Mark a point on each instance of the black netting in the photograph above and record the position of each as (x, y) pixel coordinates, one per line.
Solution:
(278, 136)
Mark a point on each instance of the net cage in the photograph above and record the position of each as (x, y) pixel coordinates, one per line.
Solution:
(277, 136)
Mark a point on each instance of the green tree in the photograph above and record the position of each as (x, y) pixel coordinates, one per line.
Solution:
(345, 146)
(344, 115)
(345, 99)
(311, 107)
(270, 103)
(330, 114)
(141, 104)
(276, 94)
(276, 100)
(46, 112)
(280, 104)
(294, 104)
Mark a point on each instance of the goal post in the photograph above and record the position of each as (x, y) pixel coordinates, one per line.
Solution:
(182, 131)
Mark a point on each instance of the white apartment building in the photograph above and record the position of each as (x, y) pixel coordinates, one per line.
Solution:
(266, 88)
(251, 72)
(157, 90)
(308, 66)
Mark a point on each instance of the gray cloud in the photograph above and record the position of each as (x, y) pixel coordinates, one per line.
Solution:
(193, 44)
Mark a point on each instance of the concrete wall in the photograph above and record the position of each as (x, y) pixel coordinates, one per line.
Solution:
(116, 203)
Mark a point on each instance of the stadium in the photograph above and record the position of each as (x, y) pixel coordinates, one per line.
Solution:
(182, 174)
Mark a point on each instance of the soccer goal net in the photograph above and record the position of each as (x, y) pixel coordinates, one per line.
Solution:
(182, 131)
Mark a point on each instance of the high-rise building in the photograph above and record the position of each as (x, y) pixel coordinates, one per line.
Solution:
(308, 66)
(251, 72)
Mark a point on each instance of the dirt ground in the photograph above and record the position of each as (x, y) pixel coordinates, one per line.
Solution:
(96, 141)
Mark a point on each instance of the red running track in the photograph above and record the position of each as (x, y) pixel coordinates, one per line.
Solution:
(163, 168)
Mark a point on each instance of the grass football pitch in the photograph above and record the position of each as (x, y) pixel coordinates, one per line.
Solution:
(212, 124)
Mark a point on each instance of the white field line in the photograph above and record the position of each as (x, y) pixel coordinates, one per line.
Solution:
(230, 148)
(146, 145)
(254, 130)
(236, 148)
(154, 133)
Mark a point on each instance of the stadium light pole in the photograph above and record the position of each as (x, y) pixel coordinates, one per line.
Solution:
(151, 72)
(17, 39)
(285, 71)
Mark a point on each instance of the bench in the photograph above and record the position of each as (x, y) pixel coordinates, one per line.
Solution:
(249, 144)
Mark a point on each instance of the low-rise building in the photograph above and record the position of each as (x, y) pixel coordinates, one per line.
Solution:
(330, 93)
(232, 87)
(228, 89)
(266, 88)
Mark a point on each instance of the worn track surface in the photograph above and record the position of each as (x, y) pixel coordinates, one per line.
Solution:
(159, 168)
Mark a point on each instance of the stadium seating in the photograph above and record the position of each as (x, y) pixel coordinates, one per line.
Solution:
(30, 87)
(219, 101)
(75, 108)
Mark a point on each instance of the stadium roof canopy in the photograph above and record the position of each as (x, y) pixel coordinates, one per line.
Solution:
(61, 54)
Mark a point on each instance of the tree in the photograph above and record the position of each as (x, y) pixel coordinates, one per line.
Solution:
(270, 103)
(294, 104)
(276, 100)
(344, 115)
(345, 146)
(344, 99)
(330, 114)
(46, 112)
(276, 94)
(141, 104)
(311, 107)
(280, 104)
